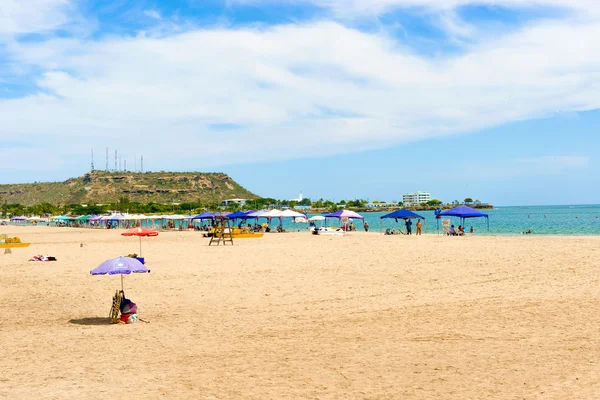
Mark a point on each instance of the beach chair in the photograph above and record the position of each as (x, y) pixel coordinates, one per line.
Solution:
(116, 307)
(446, 227)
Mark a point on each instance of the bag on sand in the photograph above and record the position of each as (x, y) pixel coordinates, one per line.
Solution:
(129, 318)
(128, 306)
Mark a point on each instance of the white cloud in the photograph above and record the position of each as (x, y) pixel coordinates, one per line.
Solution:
(294, 90)
(153, 14)
(30, 16)
(361, 8)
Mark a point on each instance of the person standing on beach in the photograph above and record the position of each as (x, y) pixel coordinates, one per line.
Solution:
(408, 226)
(366, 225)
(419, 227)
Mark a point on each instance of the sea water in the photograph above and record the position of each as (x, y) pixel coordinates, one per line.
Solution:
(541, 220)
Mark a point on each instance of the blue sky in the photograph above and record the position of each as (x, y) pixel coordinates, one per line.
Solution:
(492, 99)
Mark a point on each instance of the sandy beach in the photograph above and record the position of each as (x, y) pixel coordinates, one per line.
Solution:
(297, 316)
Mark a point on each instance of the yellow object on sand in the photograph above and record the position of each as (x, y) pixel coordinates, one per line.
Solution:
(116, 307)
(236, 233)
(11, 242)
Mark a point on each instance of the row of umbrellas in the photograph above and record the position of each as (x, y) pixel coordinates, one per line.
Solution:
(117, 217)
(461, 212)
(252, 214)
(113, 217)
(277, 214)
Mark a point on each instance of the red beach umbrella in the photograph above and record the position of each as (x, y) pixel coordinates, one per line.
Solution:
(140, 232)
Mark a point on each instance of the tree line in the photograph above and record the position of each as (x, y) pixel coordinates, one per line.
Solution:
(125, 205)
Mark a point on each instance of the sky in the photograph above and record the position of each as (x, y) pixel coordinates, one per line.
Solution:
(497, 100)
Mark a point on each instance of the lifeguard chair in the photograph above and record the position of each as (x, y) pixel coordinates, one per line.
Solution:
(223, 231)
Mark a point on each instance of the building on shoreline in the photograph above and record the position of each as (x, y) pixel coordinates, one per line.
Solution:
(382, 204)
(299, 199)
(241, 202)
(414, 199)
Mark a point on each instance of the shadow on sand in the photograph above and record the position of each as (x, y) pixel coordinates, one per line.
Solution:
(91, 321)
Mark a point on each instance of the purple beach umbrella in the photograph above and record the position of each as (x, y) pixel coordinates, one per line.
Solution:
(120, 265)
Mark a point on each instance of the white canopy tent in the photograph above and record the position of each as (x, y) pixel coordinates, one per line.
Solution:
(293, 214)
(136, 217)
(272, 214)
(175, 217)
(256, 214)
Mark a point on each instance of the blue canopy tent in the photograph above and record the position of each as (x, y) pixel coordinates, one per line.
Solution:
(246, 214)
(209, 215)
(204, 215)
(237, 214)
(464, 212)
(240, 214)
(402, 214)
(201, 217)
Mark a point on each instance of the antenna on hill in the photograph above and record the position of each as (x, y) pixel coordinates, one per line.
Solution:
(92, 160)
(107, 159)
(142, 162)
(116, 167)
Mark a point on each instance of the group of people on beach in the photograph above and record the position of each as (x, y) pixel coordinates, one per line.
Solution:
(408, 225)
(460, 231)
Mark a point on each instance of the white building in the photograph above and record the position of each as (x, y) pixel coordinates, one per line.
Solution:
(299, 199)
(414, 199)
(241, 202)
(381, 204)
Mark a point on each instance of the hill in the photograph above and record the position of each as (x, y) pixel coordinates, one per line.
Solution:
(105, 187)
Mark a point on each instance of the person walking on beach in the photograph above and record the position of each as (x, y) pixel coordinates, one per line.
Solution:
(419, 227)
(408, 227)
(366, 225)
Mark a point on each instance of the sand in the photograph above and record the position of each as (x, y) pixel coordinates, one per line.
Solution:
(296, 316)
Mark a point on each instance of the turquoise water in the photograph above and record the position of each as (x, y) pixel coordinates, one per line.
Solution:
(541, 220)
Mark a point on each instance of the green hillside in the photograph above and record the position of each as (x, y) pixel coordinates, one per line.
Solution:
(105, 187)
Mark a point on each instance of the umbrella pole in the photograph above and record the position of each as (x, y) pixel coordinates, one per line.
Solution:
(140, 246)
(122, 290)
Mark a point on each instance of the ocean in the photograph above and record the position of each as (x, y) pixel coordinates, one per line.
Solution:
(541, 220)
